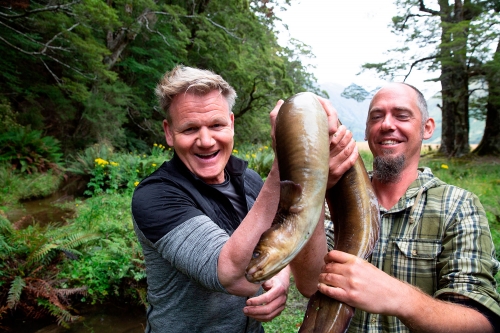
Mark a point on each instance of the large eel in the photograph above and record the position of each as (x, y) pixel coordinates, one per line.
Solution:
(355, 215)
(302, 150)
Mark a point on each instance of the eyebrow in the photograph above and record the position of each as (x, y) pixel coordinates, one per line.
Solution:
(397, 108)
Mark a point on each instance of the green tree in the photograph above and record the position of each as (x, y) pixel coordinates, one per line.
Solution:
(84, 71)
(444, 33)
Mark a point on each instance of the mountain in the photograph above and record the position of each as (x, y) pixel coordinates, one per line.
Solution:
(353, 114)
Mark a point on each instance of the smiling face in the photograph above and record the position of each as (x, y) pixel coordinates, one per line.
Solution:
(394, 124)
(201, 132)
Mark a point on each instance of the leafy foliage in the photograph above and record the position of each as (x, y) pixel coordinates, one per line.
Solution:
(16, 186)
(90, 67)
(42, 270)
(29, 151)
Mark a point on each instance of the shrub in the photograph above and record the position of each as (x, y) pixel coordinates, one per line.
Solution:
(29, 151)
(16, 186)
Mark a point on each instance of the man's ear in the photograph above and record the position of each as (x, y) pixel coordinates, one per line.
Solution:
(169, 136)
(429, 127)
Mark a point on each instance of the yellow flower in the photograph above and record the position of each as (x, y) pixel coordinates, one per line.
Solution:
(235, 151)
(266, 147)
(154, 164)
(136, 183)
(444, 166)
(247, 156)
(254, 156)
(101, 162)
(156, 145)
(114, 164)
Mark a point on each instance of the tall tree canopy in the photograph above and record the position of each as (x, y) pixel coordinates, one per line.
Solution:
(85, 70)
(453, 38)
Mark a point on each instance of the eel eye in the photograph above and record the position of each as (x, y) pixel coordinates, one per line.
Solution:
(255, 255)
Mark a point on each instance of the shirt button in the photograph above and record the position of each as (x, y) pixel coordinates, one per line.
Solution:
(374, 320)
(414, 252)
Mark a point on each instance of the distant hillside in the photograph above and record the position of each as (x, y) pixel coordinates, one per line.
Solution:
(353, 115)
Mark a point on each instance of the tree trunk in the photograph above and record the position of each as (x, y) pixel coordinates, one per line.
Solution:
(490, 143)
(454, 79)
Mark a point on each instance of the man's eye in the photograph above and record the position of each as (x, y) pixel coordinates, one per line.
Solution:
(189, 130)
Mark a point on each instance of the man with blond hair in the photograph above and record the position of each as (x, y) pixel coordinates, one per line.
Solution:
(200, 215)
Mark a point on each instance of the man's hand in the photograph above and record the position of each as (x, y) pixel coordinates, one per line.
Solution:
(358, 283)
(272, 118)
(270, 304)
(343, 149)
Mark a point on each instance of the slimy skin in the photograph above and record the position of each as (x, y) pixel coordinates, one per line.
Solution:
(302, 150)
(355, 213)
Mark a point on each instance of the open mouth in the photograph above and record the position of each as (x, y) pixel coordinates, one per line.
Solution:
(389, 142)
(208, 156)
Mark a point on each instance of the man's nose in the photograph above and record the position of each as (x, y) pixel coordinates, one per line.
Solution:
(205, 138)
(388, 123)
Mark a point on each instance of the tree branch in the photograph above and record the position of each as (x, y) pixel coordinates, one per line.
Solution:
(416, 62)
(424, 9)
(39, 10)
(206, 18)
(45, 46)
(410, 16)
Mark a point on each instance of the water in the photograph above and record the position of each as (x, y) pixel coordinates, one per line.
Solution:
(109, 318)
(40, 211)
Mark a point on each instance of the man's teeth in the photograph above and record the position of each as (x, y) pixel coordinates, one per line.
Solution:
(207, 155)
(389, 142)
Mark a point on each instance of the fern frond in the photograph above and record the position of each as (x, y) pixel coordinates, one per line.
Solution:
(142, 293)
(5, 248)
(79, 238)
(62, 315)
(15, 290)
(41, 253)
(5, 226)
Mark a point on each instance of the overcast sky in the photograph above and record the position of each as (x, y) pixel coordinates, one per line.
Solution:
(344, 34)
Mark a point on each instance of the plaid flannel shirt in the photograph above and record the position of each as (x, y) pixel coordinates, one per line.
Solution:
(437, 238)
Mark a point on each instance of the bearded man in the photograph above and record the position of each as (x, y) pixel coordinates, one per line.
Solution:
(433, 267)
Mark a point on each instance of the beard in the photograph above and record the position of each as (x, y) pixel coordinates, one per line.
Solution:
(388, 169)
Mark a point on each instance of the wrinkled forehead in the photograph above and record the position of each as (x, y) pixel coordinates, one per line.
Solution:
(397, 97)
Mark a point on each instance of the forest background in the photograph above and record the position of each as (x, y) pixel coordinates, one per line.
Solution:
(76, 99)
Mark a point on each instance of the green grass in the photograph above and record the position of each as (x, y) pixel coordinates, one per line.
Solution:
(111, 264)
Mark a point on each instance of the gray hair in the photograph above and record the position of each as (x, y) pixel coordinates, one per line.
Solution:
(421, 104)
(184, 79)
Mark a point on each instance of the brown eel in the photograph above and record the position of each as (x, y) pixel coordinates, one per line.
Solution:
(356, 221)
(302, 150)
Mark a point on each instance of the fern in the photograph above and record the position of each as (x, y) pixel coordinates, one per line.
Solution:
(62, 315)
(78, 239)
(43, 255)
(16, 288)
(66, 243)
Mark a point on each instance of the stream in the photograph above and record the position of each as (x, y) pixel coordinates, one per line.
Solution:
(101, 318)
(106, 318)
